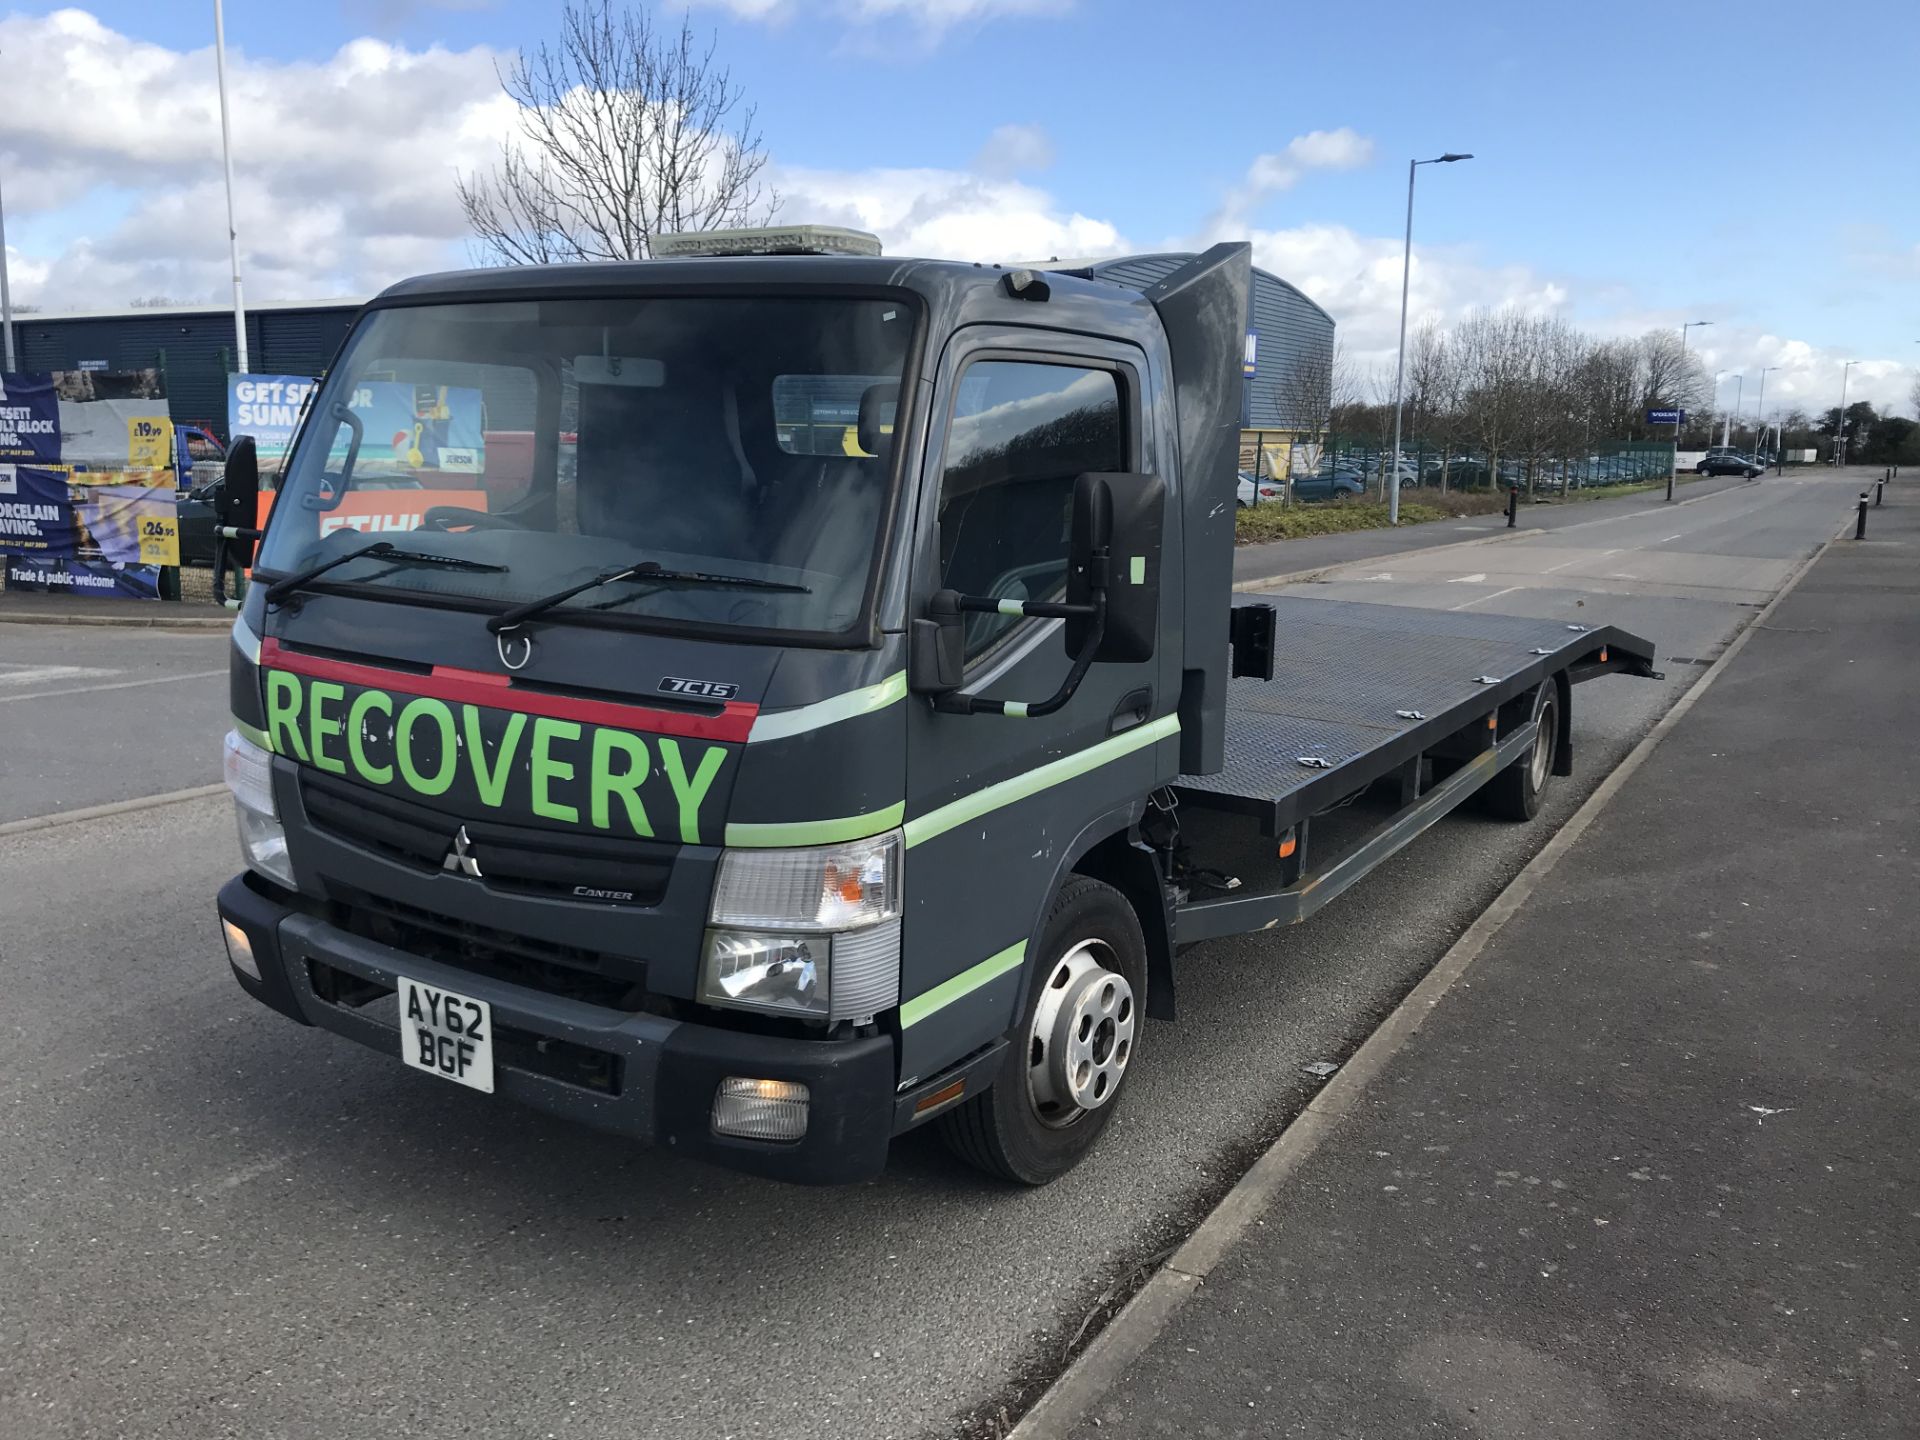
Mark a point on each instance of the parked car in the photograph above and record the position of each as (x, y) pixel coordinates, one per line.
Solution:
(1730, 463)
(1266, 490)
(1328, 485)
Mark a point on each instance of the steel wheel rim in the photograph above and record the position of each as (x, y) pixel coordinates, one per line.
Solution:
(1542, 758)
(1082, 1035)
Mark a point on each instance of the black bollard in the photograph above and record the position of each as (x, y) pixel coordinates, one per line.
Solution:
(1879, 491)
(1860, 520)
(1513, 507)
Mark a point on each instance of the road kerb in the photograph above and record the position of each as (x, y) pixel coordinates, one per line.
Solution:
(1138, 1324)
(102, 812)
(122, 622)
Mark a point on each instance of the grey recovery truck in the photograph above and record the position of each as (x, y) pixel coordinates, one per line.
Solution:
(761, 705)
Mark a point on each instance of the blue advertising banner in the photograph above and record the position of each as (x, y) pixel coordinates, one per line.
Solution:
(267, 407)
(29, 419)
(84, 577)
(36, 515)
(1665, 417)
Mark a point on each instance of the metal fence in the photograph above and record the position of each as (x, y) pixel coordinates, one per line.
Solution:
(1351, 468)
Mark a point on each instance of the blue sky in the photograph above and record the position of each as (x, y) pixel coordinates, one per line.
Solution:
(1636, 164)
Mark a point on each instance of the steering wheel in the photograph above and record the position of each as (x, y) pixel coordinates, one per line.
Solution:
(445, 517)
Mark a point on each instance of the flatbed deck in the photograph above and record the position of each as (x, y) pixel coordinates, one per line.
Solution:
(1359, 690)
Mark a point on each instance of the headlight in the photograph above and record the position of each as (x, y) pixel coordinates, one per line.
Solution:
(263, 840)
(812, 932)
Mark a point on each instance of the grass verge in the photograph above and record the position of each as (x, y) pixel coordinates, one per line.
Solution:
(1258, 523)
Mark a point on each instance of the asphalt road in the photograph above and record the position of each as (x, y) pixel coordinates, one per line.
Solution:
(213, 1223)
(93, 715)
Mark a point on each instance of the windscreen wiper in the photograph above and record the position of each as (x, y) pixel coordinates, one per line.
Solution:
(379, 549)
(646, 572)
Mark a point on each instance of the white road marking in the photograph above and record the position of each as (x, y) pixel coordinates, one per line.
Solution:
(1478, 598)
(1555, 569)
(1466, 579)
(1670, 537)
(35, 674)
(1383, 575)
(116, 685)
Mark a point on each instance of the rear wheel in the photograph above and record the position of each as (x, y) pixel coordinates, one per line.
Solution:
(1079, 1031)
(1514, 794)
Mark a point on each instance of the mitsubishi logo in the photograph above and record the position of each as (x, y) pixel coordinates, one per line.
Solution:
(460, 857)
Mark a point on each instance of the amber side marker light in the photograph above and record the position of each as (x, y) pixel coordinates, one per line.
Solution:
(1288, 846)
(945, 1095)
(1603, 654)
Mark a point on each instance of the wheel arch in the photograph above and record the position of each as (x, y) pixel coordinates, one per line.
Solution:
(1109, 849)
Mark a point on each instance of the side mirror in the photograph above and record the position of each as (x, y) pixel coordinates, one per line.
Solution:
(237, 501)
(1122, 516)
(1112, 605)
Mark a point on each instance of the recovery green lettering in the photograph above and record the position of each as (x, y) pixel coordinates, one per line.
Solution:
(492, 785)
(322, 727)
(439, 783)
(356, 735)
(689, 793)
(545, 769)
(608, 782)
(283, 714)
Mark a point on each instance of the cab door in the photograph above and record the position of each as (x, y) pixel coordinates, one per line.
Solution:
(996, 805)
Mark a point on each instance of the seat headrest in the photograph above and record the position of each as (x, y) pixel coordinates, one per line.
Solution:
(877, 406)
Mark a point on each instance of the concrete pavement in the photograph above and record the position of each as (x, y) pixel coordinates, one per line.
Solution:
(1649, 1169)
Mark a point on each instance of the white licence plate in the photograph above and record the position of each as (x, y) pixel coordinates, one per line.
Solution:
(446, 1034)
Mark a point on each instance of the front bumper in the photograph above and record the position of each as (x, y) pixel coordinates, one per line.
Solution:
(648, 1077)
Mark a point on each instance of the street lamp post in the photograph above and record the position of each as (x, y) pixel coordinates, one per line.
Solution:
(1718, 376)
(1400, 360)
(1673, 470)
(6, 296)
(226, 157)
(1840, 422)
(1739, 388)
(1760, 405)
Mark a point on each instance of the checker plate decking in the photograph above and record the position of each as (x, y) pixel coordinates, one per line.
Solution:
(1341, 672)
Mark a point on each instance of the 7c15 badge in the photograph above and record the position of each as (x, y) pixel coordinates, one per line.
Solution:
(698, 689)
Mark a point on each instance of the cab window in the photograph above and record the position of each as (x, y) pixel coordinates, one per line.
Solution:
(1021, 433)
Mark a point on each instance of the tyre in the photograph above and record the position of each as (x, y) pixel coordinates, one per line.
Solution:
(1514, 794)
(1060, 1080)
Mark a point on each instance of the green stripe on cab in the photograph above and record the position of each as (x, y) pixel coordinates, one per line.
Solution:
(967, 981)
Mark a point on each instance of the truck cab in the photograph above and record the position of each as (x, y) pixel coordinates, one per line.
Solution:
(736, 778)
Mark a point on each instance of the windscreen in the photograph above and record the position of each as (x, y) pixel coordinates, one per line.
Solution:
(737, 449)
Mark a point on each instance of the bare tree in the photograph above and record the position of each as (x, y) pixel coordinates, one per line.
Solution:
(625, 132)
(1433, 392)
(1309, 391)
(152, 302)
(1913, 399)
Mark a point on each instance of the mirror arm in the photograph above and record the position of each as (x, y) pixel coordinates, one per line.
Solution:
(963, 704)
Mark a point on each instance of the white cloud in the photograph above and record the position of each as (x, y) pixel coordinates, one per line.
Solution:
(345, 172)
(344, 167)
(952, 214)
(1268, 175)
(1012, 149)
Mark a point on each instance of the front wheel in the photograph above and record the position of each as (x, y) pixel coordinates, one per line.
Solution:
(1061, 1078)
(1514, 794)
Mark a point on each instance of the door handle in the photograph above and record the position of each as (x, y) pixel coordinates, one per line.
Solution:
(1134, 708)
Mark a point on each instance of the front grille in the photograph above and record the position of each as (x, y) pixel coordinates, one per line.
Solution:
(514, 859)
(561, 970)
